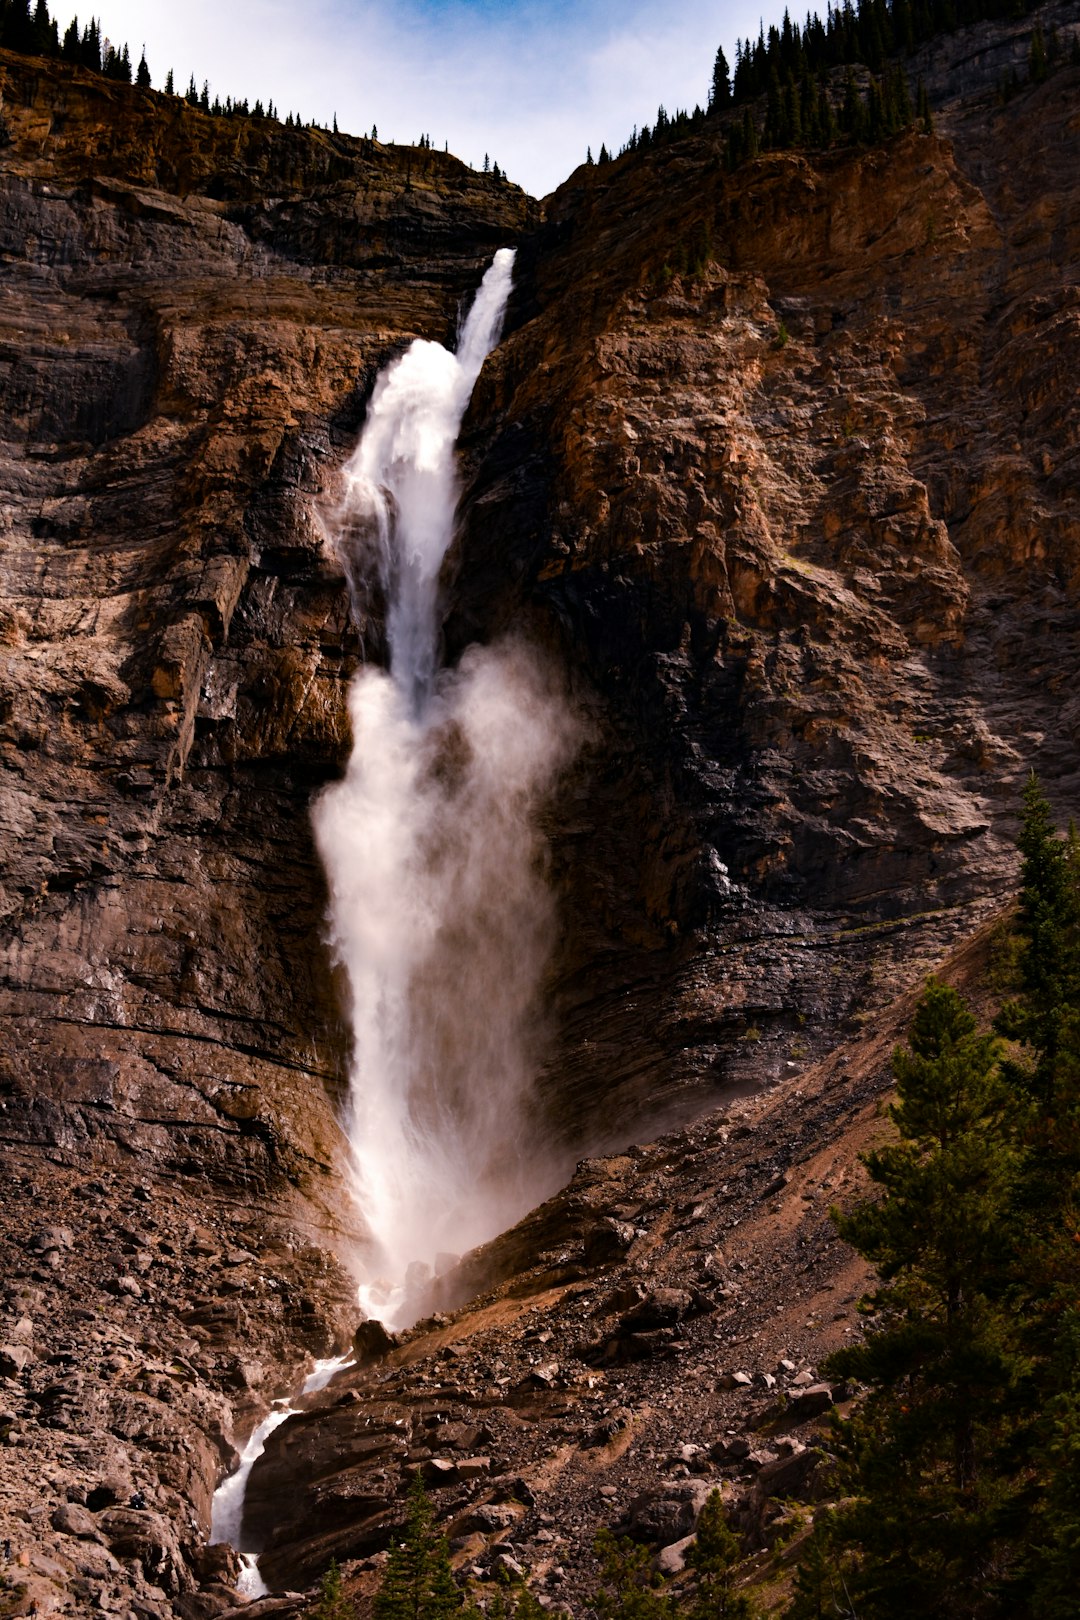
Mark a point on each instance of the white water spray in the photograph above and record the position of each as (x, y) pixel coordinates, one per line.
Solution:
(227, 1507)
(439, 910)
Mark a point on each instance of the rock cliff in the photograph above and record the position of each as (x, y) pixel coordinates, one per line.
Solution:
(802, 528)
(804, 523)
(194, 310)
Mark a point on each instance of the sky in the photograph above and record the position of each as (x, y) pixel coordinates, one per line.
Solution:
(530, 83)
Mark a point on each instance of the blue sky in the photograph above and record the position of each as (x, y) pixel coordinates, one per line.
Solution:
(531, 82)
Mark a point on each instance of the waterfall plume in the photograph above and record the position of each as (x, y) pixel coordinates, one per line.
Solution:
(439, 910)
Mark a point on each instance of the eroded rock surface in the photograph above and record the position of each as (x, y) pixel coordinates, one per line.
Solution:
(193, 312)
(805, 522)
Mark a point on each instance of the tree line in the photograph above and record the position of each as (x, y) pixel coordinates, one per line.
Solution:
(795, 71)
(32, 32)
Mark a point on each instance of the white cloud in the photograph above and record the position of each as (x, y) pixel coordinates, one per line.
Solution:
(532, 84)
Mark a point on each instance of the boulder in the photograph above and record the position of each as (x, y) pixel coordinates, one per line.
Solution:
(668, 1513)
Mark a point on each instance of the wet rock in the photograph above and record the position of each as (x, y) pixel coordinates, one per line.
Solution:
(371, 1341)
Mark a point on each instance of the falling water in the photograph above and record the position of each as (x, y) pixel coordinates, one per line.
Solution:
(227, 1508)
(438, 907)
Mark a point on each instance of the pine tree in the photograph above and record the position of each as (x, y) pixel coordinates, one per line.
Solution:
(18, 26)
(42, 30)
(1044, 1017)
(714, 1555)
(418, 1583)
(942, 1356)
(91, 46)
(333, 1603)
(142, 73)
(720, 93)
(629, 1587)
(1037, 62)
(170, 89)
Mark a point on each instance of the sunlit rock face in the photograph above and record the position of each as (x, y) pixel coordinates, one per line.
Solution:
(185, 363)
(804, 523)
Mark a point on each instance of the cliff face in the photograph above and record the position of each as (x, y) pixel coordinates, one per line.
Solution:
(802, 527)
(805, 522)
(193, 311)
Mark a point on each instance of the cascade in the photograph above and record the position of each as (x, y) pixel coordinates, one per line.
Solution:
(439, 912)
(227, 1507)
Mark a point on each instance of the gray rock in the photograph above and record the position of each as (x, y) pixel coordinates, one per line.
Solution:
(50, 1237)
(671, 1560)
(668, 1514)
(608, 1240)
(809, 1402)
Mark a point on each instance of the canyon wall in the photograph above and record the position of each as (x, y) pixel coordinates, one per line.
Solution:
(800, 529)
(803, 524)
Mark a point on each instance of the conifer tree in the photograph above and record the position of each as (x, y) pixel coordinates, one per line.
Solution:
(714, 1555)
(170, 89)
(720, 94)
(629, 1586)
(1037, 58)
(333, 1603)
(418, 1583)
(41, 37)
(142, 73)
(922, 1457)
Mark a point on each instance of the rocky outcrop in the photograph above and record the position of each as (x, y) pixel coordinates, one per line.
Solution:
(576, 1393)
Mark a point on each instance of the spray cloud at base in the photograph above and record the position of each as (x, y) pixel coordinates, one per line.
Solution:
(439, 910)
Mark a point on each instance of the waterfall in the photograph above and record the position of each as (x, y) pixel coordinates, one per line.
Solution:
(439, 912)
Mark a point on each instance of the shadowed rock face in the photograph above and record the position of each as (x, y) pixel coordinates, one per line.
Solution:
(802, 529)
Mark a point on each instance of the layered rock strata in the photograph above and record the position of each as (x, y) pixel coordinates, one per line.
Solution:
(193, 312)
(803, 522)
(800, 525)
